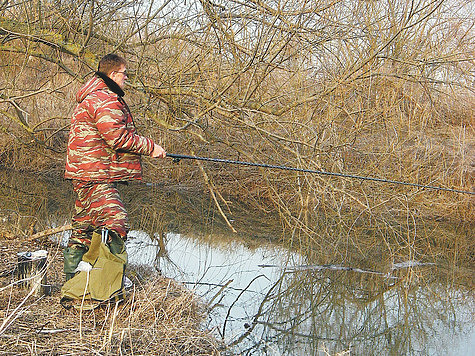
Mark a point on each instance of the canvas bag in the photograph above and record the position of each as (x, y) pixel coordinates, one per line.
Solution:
(105, 280)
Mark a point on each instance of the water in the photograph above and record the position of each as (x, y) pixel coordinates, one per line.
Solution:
(308, 311)
(208, 269)
(266, 300)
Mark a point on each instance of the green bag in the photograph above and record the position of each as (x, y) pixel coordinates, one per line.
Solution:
(103, 282)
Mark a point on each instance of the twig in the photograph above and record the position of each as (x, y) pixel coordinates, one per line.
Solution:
(50, 232)
(223, 287)
(14, 313)
(211, 190)
(54, 331)
(239, 296)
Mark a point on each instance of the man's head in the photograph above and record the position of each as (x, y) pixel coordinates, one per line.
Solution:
(114, 67)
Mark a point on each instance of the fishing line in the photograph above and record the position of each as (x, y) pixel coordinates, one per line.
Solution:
(178, 157)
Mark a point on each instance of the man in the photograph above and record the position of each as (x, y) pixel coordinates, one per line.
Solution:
(103, 149)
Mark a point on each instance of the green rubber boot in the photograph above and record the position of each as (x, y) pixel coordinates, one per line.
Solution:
(72, 256)
(116, 243)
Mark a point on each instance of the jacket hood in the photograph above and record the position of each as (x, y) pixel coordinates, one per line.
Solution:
(100, 81)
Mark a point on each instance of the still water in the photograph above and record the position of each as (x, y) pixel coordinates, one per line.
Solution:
(264, 299)
(265, 306)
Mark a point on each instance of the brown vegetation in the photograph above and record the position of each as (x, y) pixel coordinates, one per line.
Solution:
(372, 88)
(159, 317)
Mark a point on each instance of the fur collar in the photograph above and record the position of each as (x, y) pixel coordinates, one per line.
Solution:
(111, 84)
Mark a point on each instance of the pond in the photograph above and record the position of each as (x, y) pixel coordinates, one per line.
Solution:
(264, 298)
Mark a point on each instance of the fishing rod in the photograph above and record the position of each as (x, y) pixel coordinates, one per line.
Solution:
(178, 157)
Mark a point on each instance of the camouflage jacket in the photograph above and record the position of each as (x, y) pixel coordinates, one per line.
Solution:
(103, 144)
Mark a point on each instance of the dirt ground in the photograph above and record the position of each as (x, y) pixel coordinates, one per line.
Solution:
(158, 317)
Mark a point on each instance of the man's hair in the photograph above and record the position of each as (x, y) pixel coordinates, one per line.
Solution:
(110, 62)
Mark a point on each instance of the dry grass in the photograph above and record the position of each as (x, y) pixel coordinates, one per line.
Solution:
(158, 317)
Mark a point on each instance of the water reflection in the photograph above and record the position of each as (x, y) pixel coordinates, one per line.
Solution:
(263, 310)
(228, 278)
(366, 314)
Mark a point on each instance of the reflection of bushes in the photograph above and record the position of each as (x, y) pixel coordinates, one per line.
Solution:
(364, 313)
(34, 202)
(361, 239)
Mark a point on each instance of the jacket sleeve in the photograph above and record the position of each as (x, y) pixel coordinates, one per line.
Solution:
(111, 124)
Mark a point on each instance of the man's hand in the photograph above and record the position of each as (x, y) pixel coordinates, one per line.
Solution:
(158, 152)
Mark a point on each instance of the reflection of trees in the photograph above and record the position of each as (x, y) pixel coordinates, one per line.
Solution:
(49, 201)
(158, 210)
(369, 315)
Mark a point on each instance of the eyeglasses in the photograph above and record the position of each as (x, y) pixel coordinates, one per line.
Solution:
(124, 73)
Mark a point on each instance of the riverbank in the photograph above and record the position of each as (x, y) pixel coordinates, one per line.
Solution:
(158, 317)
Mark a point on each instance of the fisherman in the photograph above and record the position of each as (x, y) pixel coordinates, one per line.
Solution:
(103, 150)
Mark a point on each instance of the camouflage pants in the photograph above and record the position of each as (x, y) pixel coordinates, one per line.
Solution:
(97, 205)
